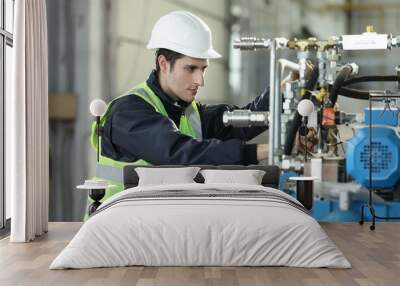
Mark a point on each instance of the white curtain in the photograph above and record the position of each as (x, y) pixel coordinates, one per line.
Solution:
(27, 144)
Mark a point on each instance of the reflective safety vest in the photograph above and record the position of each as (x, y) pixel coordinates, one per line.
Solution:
(190, 124)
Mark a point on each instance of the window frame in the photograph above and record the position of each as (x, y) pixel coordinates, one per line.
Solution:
(6, 39)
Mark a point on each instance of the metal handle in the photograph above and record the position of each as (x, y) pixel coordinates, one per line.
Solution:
(245, 118)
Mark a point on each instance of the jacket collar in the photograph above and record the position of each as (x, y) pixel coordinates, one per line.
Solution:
(154, 84)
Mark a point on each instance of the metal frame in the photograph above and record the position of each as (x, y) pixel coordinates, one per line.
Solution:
(2, 117)
(6, 39)
(272, 104)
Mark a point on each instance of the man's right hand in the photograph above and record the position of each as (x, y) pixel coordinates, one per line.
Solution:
(312, 140)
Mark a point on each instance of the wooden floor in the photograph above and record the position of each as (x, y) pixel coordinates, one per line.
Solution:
(374, 255)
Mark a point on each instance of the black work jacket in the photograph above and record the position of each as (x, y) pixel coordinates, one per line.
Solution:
(135, 131)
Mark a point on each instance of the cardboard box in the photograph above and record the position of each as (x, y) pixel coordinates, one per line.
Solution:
(62, 106)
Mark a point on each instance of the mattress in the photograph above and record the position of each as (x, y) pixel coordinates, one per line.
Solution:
(201, 225)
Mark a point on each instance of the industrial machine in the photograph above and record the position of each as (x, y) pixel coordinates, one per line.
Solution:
(367, 165)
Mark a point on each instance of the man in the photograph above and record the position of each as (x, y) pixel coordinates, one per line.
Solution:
(159, 122)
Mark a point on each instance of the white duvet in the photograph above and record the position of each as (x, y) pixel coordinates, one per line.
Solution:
(201, 224)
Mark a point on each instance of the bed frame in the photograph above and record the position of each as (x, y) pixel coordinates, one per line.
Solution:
(270, 179)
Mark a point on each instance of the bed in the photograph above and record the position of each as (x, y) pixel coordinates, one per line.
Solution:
(201, 224)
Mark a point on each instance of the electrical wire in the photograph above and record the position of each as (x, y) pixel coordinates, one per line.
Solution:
(371, 78)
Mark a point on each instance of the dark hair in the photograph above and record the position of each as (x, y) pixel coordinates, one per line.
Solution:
(170, 56)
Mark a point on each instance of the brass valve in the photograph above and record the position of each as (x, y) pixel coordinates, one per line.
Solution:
(370, 29)
(303, 44)
(321, 95)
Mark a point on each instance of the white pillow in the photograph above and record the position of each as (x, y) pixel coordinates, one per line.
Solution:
(248, 177)
(165, 176)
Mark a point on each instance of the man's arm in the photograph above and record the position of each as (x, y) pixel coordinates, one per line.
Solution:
(136, 131)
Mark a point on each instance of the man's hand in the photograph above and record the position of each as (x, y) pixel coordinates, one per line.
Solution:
(311, 138)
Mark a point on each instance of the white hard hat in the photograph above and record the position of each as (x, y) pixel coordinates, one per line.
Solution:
(184, 33)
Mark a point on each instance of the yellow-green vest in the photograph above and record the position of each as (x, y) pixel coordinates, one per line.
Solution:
(190, 124)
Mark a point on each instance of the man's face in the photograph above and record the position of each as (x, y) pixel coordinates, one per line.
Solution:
(182, 82)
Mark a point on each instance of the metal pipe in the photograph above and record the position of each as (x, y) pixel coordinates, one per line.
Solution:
(251, 43)
(302, 57)
(284, 118)
(396, 42)
(278, 109)
(322, 65)
(245, 118)
(332, 57)
(272, 70)
(284, 63)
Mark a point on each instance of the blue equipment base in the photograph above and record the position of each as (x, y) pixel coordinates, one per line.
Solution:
(328, 211)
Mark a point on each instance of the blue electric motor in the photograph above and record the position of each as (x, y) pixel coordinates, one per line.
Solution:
(385, 157)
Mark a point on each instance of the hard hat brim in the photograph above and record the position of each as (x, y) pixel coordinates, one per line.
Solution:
(209, 54)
